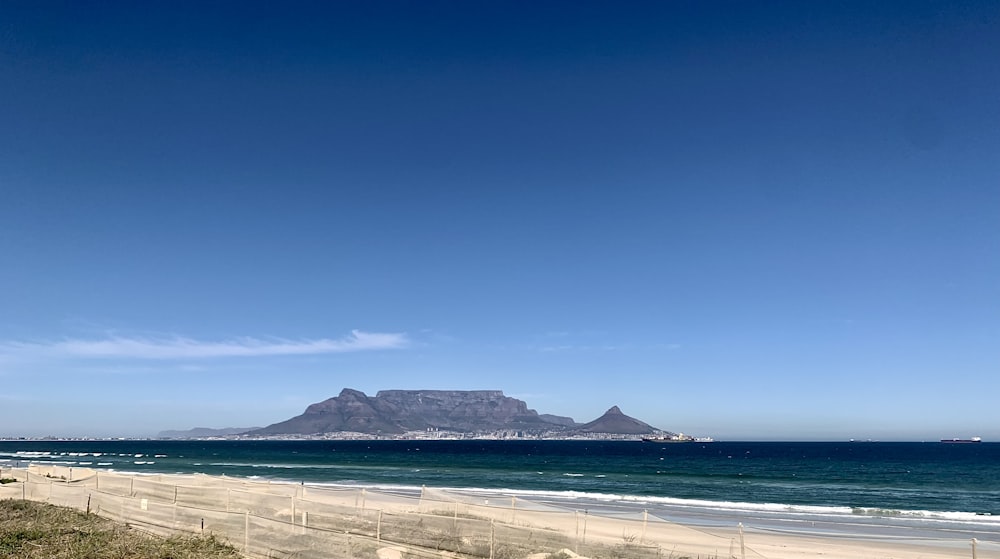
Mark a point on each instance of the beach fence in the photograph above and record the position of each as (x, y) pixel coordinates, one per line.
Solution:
(286, 520)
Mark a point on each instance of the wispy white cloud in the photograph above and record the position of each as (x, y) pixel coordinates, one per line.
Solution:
(178, 347)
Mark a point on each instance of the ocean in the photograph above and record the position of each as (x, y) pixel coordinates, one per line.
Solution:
(938, 489)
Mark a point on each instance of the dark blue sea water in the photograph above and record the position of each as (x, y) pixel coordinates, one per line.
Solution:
(958, 482)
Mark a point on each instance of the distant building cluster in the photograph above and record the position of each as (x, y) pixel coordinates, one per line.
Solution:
(440, 435)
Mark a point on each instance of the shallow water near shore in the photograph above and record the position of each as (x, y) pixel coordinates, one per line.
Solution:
(932, 488)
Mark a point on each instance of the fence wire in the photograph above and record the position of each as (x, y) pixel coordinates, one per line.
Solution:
(278, 520)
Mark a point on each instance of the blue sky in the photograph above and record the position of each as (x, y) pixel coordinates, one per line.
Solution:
(760, 220)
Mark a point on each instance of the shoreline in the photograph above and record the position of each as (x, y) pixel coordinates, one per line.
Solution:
(770, 535)
(771, 517)
(827, 520)
(700, 500)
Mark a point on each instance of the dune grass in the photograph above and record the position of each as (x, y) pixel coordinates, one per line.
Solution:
(30, 530)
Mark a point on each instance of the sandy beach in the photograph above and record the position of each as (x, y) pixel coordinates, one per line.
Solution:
(261, 517)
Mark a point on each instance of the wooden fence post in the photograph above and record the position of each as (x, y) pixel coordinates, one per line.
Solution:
(743, 547)
(577, 515)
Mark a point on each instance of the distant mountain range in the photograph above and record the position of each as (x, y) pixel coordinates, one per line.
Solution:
(395, 412)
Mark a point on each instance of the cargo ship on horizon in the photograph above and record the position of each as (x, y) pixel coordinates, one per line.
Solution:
(972, 440)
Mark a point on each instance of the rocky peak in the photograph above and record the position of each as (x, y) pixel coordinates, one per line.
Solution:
(615, 421)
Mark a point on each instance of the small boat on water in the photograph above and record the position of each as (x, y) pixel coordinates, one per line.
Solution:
(972, 440)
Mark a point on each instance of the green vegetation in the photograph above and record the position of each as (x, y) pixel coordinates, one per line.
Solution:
(4, 480)
(30, 530)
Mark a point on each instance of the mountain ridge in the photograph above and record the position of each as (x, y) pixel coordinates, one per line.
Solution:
(396, 412)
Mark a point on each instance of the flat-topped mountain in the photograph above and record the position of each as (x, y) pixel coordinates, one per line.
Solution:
(393, 412)
(399, 411)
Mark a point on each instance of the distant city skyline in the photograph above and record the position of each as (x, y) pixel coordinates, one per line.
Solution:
(749, 221)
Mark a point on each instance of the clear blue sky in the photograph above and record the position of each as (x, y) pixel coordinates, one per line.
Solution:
(750, 220)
